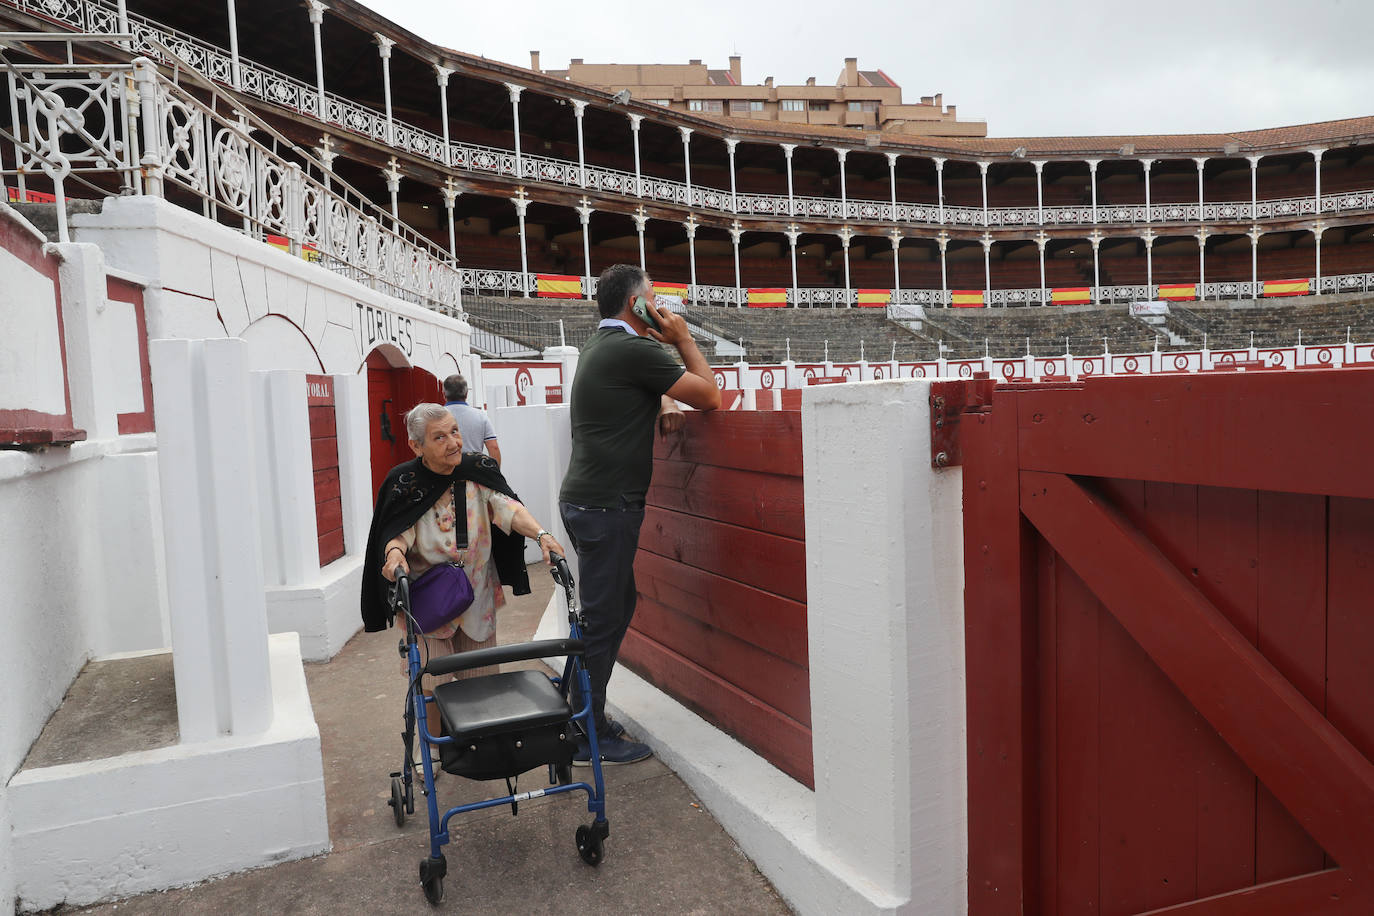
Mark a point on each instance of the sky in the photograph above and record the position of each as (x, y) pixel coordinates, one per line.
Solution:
(1028, 68)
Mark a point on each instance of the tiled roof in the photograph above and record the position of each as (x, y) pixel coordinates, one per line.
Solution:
(720, 78)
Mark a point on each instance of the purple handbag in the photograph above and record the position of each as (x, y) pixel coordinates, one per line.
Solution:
(443, 592)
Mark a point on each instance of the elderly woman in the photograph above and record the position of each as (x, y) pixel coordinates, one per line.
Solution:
(413, 529)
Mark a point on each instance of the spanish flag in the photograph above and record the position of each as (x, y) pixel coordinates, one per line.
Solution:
(966, 298)
(1178, 292)
(873, 298)
(557, 286)
(308, 252)
(767, 298)
(1287, 287)
(671, 289)
(1071, 295)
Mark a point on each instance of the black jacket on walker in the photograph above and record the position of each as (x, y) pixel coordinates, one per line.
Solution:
(407, 493)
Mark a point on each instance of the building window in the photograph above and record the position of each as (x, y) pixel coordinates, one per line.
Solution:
(739, 105)
(663, 102)
(755, 105)
(870, 106)
(856, 106)
(792, 105)
(704, 105)
(817, 106)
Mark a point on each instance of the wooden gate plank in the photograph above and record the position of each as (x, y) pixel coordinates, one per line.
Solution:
(1317, 774)
(1350, 623)
(1320, 894)
(1283, 431)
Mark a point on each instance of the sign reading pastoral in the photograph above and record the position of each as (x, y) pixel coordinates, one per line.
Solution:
(767, 298)
(966, 298)
(558, 286)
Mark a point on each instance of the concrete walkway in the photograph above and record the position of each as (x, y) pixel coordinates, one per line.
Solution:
(665, 854)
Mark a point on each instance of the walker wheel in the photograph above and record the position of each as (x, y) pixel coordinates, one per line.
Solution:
(562, 773)
(434, 890)
(398, 801)
(589, 845)
(432, 873)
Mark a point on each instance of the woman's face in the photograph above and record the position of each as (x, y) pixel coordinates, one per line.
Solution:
(442, 449)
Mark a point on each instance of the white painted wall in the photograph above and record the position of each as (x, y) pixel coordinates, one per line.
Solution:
(30, 348)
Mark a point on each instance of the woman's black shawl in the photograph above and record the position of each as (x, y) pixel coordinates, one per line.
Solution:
(408, 492)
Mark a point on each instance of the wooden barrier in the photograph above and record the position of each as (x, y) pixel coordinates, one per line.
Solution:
(721, 573)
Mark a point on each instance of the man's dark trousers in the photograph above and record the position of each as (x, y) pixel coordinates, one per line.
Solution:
(605, 541)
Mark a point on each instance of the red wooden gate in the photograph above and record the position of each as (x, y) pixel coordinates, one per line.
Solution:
(1170, 626)
(391, 392)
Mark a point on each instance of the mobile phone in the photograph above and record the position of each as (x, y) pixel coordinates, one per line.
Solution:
(641, 310)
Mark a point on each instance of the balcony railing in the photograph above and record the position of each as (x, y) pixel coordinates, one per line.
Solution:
(279, 89)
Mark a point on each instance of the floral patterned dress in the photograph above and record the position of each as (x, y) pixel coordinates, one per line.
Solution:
(432, 540)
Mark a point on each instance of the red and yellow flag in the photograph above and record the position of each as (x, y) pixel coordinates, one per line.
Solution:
(771, 298)
(966, 298)
(1287, 287)
(671, 289)
(1071, 295)
(873, 298)
(1178, 292)
(558, 286)
(309, 252)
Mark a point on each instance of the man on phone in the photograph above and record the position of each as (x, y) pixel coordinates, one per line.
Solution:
(625, 384)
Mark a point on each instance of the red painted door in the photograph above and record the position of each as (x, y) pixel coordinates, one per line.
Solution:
(391, 391)
(1170, 642)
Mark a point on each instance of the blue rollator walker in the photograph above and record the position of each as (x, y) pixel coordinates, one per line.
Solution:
(497, 727)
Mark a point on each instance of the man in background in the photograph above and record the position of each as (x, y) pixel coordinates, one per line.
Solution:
(626, 383)
(478, 434)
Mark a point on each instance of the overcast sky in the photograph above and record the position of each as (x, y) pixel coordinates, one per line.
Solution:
(1048, 68)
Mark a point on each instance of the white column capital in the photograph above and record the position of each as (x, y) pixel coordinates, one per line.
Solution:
(392, 174)
(1146, 163)
(449, 192)
(1202, 234)
(1201, 161)
(1254, 160)
(579, 106)
(326, 151)
(691, 226)
(735, 232)
(1149, 238)
(787, 149)
(634, 121)
(983, 165)
(441, 74)
(939, 163)
(792, 233)
(1255, 232)
(1092, 164)
(730, 144)
(845, 235)
(1042, 239)
(521, 205)
(514, 91)
(316, 11)
(1318, 228)
(384, 45)
(842, 153)
(1039, 165)
(584, 212)
(1317, 153)
(640, 220)
(686, 135)
(1095, 240)
(895, 237)
(891, 158)
(942, 239)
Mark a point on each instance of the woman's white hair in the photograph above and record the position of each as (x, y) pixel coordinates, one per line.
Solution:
(420, 416)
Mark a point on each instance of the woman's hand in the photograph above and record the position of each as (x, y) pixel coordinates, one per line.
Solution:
(548, 544)
(395, 558)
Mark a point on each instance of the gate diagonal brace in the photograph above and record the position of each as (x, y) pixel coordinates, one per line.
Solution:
(950, 400)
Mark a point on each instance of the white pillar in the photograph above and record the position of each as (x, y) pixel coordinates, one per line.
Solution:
(521, 205)
(1317, 157)
(983, 175)
(1092, 180)
(234, 70)
(691, 227)
(514, 92)
(1041, 240)
(392, 174)
(895, 638)
(1145, 164)
(687, 162)
(987, 269)
(215, 587)
(286, 490)
(450, 194)
(355, 458)
(892, 181)
(792, 235)
(942, 239)
(896, 238)
(639, 181)
(384, 46)
(844, 191)
(940, 187)
(584, 213)
(579, 109)
(787, 154)
(735, 233)
(1254, 233)
(1254, 187)
(1317, 231)
(640, 219)
(1149, 237)
(1201, 164)
(730, 144)
(845, 235)
(1096, 239)
(1039, 196)
(441, 75)
(316, 9)
(1202, 234)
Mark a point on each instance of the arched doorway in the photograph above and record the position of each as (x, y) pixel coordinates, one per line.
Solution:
(393, 387)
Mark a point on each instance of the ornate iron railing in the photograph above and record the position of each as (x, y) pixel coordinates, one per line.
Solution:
(277, 88)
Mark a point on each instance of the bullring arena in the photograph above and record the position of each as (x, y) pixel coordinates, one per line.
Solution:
(1038, 467)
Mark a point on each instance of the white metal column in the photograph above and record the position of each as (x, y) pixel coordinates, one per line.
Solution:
(787, 154)
(730, 143)
(441, 75)
(687, 162)
(892, 182)
(584, 213)
(896, 239)
(983, 174)
(846, 234)
(235, 72)
(640, 220)
(450, 194)
(316, 9)
(634, 132)
(1092, 180)
(844, 190)
(735, 233)
(792, 235)
(384, 46)
(579, 109)
(521, 205)
(1039, 196)
(940, 187)
(514, 92)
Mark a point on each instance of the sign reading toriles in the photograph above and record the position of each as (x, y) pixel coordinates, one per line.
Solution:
(377, 325)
